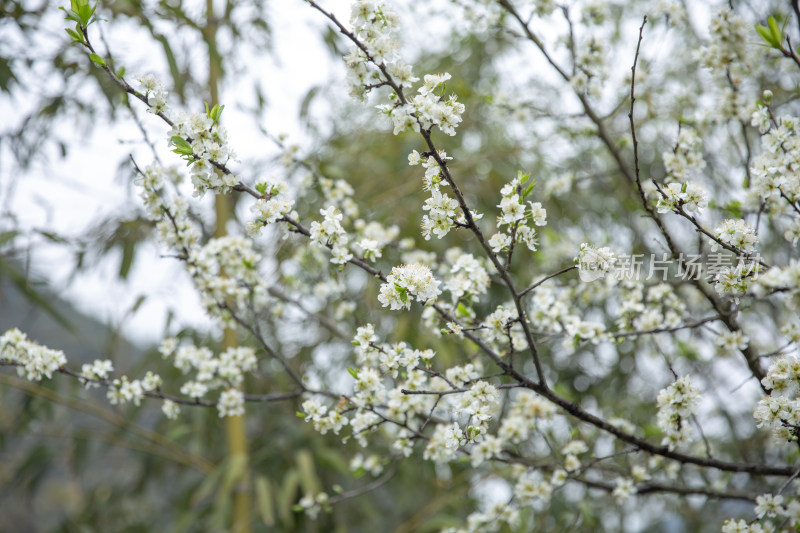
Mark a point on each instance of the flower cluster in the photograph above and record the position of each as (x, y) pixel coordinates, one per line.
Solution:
(466, 277)
(646, 308)
(490, 520)
(782, 278)
(479, 403)
(231, 403)
(519, 219)
(732, 341)
(375, 25)
(689, 196)
(311, 505)
(435, 110)
(371, 463)
(444, 443)
(33, 361)
(225, 371)
(155, 94)
(775, 167)
(593, 263)
(152, 182)
(736, 233)
(624, 489)
(527, 410)
(95, 372)
(532, 489)
(272, 206)
(743, 526)
(176, 228)
(729, 37)
(427, 109)
(406, 283)
(442, 211)
(372, 237)
(734, 280)
(225, 272)
(124, 390)
(203, 142)
(497, 324)
(197, 137)
(686, 157)
(676, 404)
(330, 233)
(780, 410)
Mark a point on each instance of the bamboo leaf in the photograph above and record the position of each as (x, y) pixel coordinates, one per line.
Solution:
(264, 500)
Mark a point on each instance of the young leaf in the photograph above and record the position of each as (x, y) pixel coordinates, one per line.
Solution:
(772, 34)
(76, 37)
(774, 30)
(71, 15)
(181, 146)
(216, 113)
(97, 59)
(528, 189)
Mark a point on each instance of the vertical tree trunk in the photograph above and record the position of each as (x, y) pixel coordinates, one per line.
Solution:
(235, 431)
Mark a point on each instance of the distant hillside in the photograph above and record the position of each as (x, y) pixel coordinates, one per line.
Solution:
(84, 339)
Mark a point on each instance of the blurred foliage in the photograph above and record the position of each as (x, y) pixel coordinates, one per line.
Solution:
(71, 463)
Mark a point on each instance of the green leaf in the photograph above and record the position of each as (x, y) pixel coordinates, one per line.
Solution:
(85, 12)
(769, 35)
(309, 480)
(138, 303)
(215, 112)
(76, 37)
(70, 15)
(97, 59)
(775, 30)
(128, 252)
(181, 146)
(528, 189)
(353, 372)
(236, 465)
(209, 484)
(286, 496)
(178, 81)
(264, 500)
